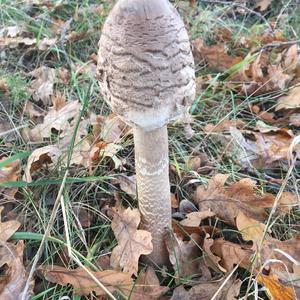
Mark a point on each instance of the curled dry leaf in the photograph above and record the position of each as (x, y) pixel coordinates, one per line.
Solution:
(13, 281)
(211, 260)
(84, 284)
(132, 243)
(45, 156)
(185, 256)
(147, 286)
(194, 219)
(42, 86)
(204, 291)
(275, 289)
(7, 229)
(291, 100)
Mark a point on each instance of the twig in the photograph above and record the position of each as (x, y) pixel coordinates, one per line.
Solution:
(243, 7)
(280, 44)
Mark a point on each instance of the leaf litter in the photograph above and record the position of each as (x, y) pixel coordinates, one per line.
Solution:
(201, 253)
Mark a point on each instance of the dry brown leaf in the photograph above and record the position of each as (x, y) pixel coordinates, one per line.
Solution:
(250, 229)
(42, 86)
(295, 119)
(45, 156)
(264, 150)
(132, 243)
(13, 42)
(262, 5)
(13, 281)
(194, 219)
(227, 202)
(8, 228)
(275, 289)
(211, 260)
(215, 55)
(147, 286)
(224, 125)
(33, 113)
(127, 184)
(205, 291)
(59, 118)
(232, 254)
(200, 164)
(290, 101)
(185, 256)
(82, 282)
(285, 252)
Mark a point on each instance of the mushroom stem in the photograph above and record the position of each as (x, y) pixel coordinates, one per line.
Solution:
(153, 185)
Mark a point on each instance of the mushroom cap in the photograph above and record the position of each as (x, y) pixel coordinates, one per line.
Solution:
(145, 63)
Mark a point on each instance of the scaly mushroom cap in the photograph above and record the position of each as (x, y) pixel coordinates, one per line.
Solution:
(145, 64)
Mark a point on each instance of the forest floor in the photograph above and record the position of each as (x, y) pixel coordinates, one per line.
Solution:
(66, 162)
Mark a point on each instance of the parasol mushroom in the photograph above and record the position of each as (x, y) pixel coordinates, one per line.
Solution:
(146, 74)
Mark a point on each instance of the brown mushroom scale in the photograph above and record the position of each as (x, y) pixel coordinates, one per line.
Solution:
(146, 74)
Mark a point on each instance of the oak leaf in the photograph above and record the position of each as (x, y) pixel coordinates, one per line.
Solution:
(84, 284)
(227, 202)
(132, 243)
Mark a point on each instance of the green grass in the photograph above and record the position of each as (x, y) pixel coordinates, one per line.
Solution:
(91, 192)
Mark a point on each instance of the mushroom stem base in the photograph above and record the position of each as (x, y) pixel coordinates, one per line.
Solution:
(153, 185)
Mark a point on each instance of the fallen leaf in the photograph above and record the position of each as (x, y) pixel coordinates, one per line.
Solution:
(13, 281)
(224, 125)
(185, 256)
(204, 291)
(232, 254)
(200, 164)
(250, 229)
(262, 5)
(215, 55)
(127, 184)
(46, 156)
(211, 260)
(147, 286)
(275, 289)
(290, 101)
(8, 228)
(42, 86)
(295, 119)
(82, 282)
(194, 219)
(227, 202)
(132, 243)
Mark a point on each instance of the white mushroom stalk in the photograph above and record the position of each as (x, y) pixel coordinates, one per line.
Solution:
(146, 74)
